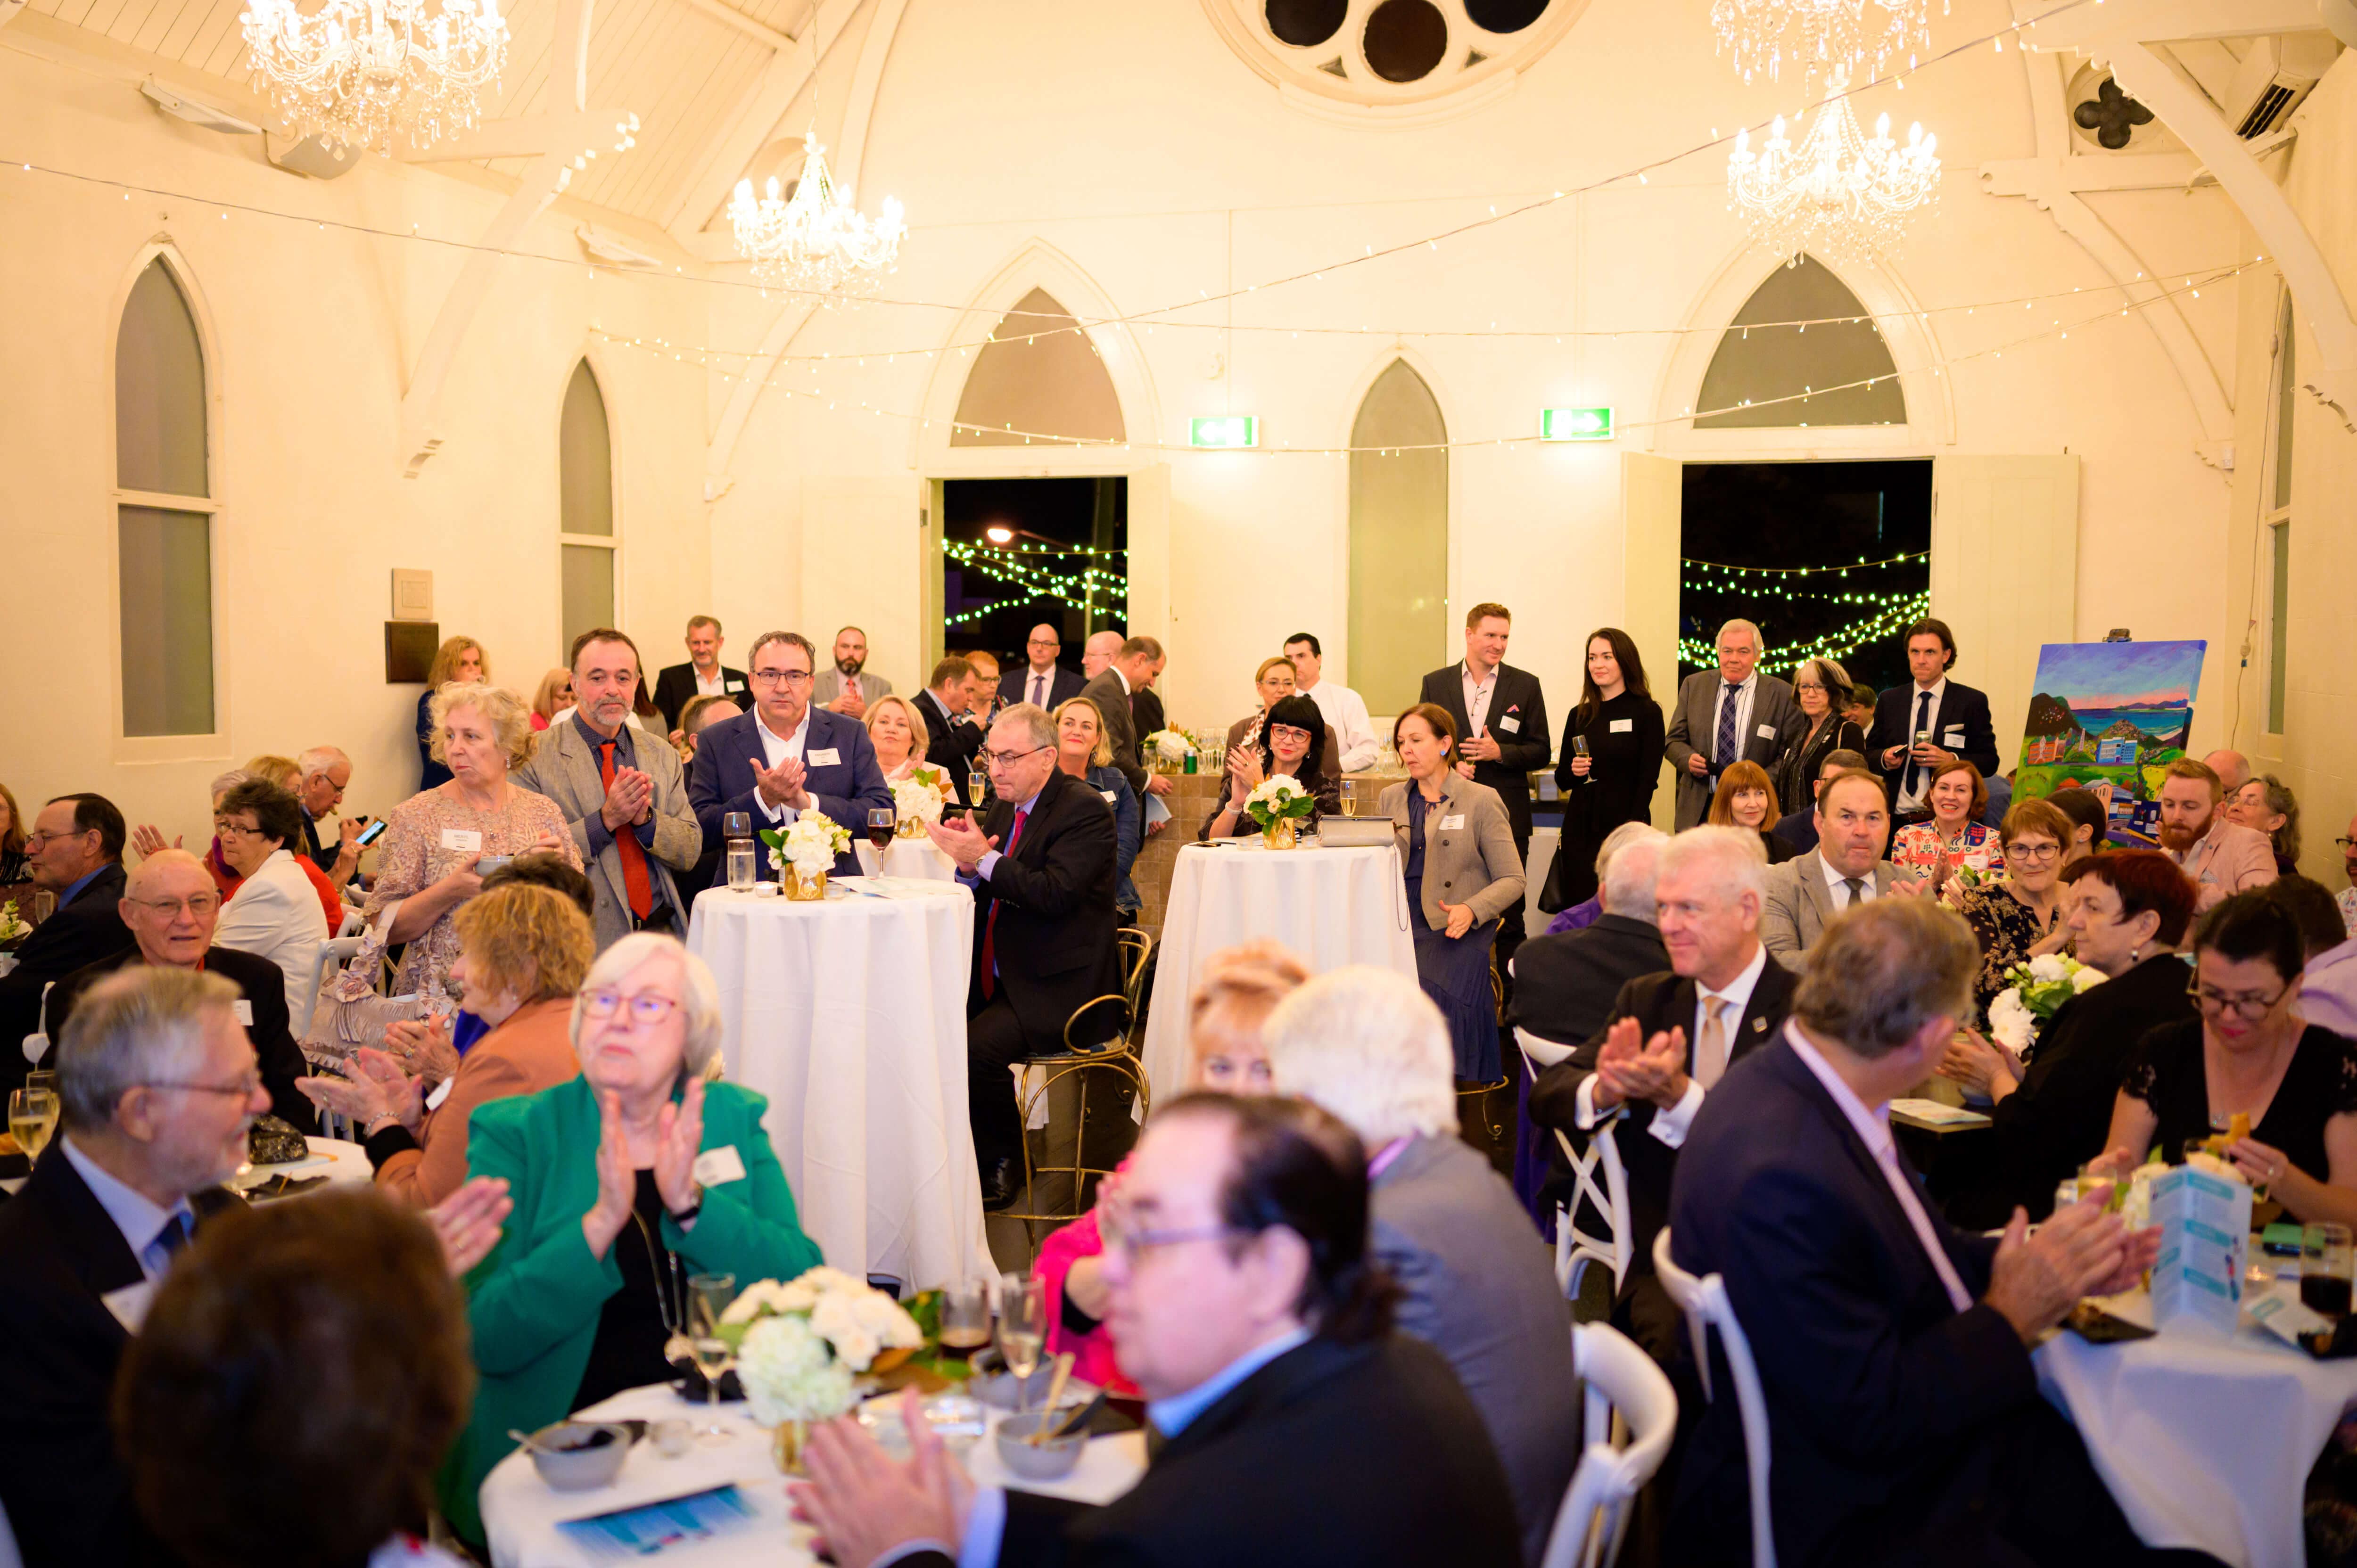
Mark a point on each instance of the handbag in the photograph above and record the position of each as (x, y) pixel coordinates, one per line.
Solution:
(350, 1013)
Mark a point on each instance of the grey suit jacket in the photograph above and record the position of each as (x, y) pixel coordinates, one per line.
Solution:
(1472, 863)
(827, 685)
(1112, 699)
(563, 767)
(1799, 905)
(1776, 724)
(1477, 1288)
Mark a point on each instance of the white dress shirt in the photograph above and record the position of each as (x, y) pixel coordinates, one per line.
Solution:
(1671, 1125)
(775, 750)
(1834, 884)
(1353, 730)
(716, 687)
(1038, 686)
(1912, 799)
(140, 1219)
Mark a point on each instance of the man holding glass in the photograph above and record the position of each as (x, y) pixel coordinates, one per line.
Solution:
(785, 757)
(1042, 867)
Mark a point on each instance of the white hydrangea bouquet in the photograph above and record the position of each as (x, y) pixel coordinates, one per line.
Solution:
(916, 801)
(802, 1344)
(13, 928)
(1279, 799)
(1169, 746)
(805, 853)
(2034, 992)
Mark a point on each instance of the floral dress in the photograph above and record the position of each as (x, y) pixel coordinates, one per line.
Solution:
(434, 833)
(1918, 848)
(2007, 929)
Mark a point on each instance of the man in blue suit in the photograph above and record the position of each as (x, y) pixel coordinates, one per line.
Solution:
(1893, 1350)
(785, 757)
(1926, 722)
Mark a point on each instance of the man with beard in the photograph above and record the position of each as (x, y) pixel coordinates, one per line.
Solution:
(2222, 858)
(847, 688)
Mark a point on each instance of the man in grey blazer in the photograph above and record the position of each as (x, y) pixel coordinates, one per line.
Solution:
(1853, 821)
(845, 686)
(623, 793)
(1729, 714)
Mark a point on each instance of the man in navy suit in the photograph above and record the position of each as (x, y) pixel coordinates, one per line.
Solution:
(785, 758)
(1043, 682)
(1893, 1351)
(1954, 719)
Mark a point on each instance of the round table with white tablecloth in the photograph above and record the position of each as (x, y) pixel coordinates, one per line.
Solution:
(849, 1014)
(917, 858)
(2204, 1441)
(1333, 906)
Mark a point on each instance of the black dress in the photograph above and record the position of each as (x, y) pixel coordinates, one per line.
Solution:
(1625, 738)
(2319, 1084)
(1796, 774)
(627, 1351)
(2058, 1119)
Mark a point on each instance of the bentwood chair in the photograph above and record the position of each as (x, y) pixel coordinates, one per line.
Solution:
(1632, 1414)
(1600, 1187)
(1096, 1044)
(1704, 1302)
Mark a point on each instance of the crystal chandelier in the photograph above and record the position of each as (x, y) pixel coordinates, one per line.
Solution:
(1840, 195)
(360, 73)
(815, 243)
(1817, 34)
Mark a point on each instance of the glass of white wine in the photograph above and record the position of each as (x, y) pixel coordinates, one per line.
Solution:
(708, 1297)
(32, 1117)
(1022, 1330)
(1349, 791)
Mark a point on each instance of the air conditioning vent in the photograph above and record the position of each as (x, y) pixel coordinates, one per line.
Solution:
(2274, 78)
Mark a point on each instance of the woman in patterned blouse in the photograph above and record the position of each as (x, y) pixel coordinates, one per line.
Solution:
(1955, 840)
(2020, 918)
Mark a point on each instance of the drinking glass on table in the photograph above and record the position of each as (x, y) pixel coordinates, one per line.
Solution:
(880, 821)
(965, 1316)
(1022, 1329)
(32, 1117)
(2327, 1264)
(708, 1297)
(1349, 789)
(736, 827)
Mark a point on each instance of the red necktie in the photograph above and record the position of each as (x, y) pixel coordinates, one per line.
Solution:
(635, 881)
(990, 926)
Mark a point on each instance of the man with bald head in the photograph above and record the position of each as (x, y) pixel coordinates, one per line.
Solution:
(2232, 768)
(1726, 715)
(1046, 685)
(171, 907)
(1100, 650)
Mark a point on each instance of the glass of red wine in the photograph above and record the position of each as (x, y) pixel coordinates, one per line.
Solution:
(2327, 1263)
(881, 823)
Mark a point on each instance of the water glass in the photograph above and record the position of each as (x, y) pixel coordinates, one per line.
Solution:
(2327, 1264)
(736, 827)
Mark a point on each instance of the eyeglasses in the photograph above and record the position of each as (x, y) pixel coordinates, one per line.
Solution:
(646, 1007)
(199, 905)
(224, 827)
(1118, 1236)
(245, 1088)
(1288, 734)
(2032, 850)
(1008, 758)
(780, 677)
(2345, 845)
(2248, 1004)
(37, 838)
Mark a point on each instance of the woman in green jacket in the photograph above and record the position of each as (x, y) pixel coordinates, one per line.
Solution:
(614, 1211)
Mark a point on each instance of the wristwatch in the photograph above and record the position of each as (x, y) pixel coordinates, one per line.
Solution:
(687, 1217)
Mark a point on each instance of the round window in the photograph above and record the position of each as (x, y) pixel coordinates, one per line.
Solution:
(1389, 54)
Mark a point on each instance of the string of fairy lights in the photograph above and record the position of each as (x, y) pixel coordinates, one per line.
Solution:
(1792, 585)
(1090, 584)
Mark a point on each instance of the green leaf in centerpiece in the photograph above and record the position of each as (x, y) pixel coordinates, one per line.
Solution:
(772, 837)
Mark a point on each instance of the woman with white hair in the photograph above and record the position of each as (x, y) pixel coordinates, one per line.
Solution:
(612, 1216)
(1476, 1281)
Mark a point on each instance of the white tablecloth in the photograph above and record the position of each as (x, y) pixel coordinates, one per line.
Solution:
(850, 1016)
(1333, 906)
(2205, 1442)
(520, 1513)
(908, 858)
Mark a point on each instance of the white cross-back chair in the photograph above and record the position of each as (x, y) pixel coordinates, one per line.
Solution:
(1706, 1304)
(1598, 1177)
(1618, 1456)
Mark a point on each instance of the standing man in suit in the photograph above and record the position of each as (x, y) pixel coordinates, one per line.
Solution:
(1502, 715)
(950, 741)
(1951, 718)
(1845, 869)
(75, 851)
(1042, 867)
(845, 686)
(1672, 1039)
(626, 804)
(1894, 1351)
(1132, 669)
(1099, 651)
(701, 676)
(1045, 684)
(1726, 715)
(785, 758)
(326, 774)
(1295, 1427)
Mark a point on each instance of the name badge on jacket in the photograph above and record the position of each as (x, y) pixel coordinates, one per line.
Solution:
(466, 840)
(243, 1010)
(1622, 727)
(716, 1167)
(1765, 732)
(1510, 724)
(1955, 737)
(1450, 824)
(1110, 798)
(826, 757)
(732, 685)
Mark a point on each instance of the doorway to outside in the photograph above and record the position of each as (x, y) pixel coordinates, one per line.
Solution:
(1830, 560)
(1019, 552)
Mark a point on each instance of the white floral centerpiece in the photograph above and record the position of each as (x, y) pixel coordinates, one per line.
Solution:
(805, 853)
(916, 801)
(13, 928)
(1279, 805)
(802, 1344)
(2034, 992)
(1169, 746)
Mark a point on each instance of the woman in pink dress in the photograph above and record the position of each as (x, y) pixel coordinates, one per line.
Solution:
(1955, 850)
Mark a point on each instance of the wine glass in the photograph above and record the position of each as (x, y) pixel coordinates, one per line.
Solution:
(32, 1117)
(1349, 791)
(1022, 1330)
(976, 782)
(708, 1297)
(880, 821)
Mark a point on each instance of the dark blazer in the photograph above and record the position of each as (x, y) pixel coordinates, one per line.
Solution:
(1800, 830)
(1658, 1003)
(81, 932)
(1330, 1457)
(1566, 984)
(1796, 777)
(1625, 737)
(429, 772)
(1063, 685)
(1112, 700)
(1960, 708)
(1054, 897)
(846, 789)
(675, 688)
(1145, 711)
(950, 744)
(1776, 723)
(1517, 703)
(65, 1493)
(1874, 1381)
(262, 984)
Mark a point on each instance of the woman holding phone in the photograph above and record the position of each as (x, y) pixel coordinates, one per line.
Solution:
(1610, 761)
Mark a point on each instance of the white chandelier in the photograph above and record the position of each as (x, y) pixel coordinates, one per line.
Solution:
(1817, 34)
(360, 73)
(815, 243)
(1840, 195)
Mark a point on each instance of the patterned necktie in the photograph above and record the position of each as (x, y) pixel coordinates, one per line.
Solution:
(1723, 750)
(1855, 886)
(635, 881)
(990, 926)
(1710, 1052)
(1923, 723)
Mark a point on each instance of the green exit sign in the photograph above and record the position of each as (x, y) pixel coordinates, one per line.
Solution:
(1227, 430)
(1576, 424)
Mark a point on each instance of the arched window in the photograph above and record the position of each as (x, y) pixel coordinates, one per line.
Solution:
(1038, 375)
(1778, 376)
(586, 539)
(1399, 539)
(163, 511)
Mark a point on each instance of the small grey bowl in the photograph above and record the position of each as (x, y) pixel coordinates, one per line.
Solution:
(577, 1455)
(1048, 1461)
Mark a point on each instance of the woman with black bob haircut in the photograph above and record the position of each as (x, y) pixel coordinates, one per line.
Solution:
(1292, 741)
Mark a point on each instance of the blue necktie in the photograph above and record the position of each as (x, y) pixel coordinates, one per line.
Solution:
(1923, 723)
(1723, 750)
(169, 1240)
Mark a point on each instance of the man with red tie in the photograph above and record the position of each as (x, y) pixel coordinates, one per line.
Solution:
(622, 792)
(1041, 866)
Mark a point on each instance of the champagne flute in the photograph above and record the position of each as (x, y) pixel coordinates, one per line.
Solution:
(708, 1297)
(1022, 1330)
(1349, 791)
(32, 1117)
(976, 781)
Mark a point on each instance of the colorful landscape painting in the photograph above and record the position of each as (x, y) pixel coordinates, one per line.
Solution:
(2109, 716)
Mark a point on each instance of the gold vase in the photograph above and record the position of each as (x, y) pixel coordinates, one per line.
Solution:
(799, 889)
(788, 1441)
(910, 828)
(1283, 833)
